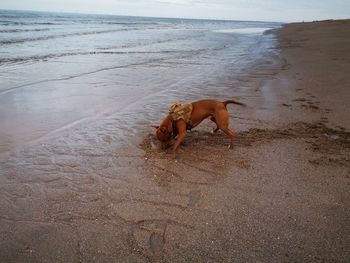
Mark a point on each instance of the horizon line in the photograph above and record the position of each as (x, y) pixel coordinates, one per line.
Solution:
(145, 16)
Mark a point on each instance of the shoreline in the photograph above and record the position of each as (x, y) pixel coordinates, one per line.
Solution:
(280, 196)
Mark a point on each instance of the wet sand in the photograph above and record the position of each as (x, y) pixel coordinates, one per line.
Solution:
(101, 191)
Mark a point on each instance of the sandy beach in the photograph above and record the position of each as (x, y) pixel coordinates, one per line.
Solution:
(100, 191)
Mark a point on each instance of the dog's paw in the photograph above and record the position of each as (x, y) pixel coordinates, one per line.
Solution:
(214, 131)
(171, 155)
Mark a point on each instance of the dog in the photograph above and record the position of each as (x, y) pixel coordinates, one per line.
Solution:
(171, 132)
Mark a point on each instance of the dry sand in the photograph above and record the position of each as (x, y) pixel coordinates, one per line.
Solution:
(282, 194)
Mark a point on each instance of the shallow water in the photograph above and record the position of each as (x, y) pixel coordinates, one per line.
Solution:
(58, 70)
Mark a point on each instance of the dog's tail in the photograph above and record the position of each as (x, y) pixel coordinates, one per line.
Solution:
(234, 102)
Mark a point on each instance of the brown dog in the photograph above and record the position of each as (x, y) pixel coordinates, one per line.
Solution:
(201, 110)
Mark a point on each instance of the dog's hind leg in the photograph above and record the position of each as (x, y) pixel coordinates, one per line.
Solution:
(222, 122)
(230, 134)
(217, 127)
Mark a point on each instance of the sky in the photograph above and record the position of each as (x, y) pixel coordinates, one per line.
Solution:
(257, 10)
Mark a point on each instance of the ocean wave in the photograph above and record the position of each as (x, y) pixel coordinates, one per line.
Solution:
(128, 23)
(23, 30)
(17, 23)
(152, 60)
(22, 40)
(50, 56)
(74, 22)
(248, 30)
(151, 42)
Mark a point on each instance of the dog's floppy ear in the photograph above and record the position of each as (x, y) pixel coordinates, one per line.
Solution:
(155, 126)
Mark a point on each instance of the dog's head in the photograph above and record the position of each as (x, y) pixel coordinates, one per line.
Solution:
(163, 135)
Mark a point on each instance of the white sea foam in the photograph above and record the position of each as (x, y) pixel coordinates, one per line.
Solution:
(251, 30)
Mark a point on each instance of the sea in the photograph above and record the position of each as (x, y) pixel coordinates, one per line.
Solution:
(58, 70)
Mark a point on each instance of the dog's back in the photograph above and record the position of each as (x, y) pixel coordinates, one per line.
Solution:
(203, 109)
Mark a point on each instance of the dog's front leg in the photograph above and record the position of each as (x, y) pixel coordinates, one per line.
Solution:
(181, 126)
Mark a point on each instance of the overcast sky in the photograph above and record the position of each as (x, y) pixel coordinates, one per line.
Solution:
(263, 10)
